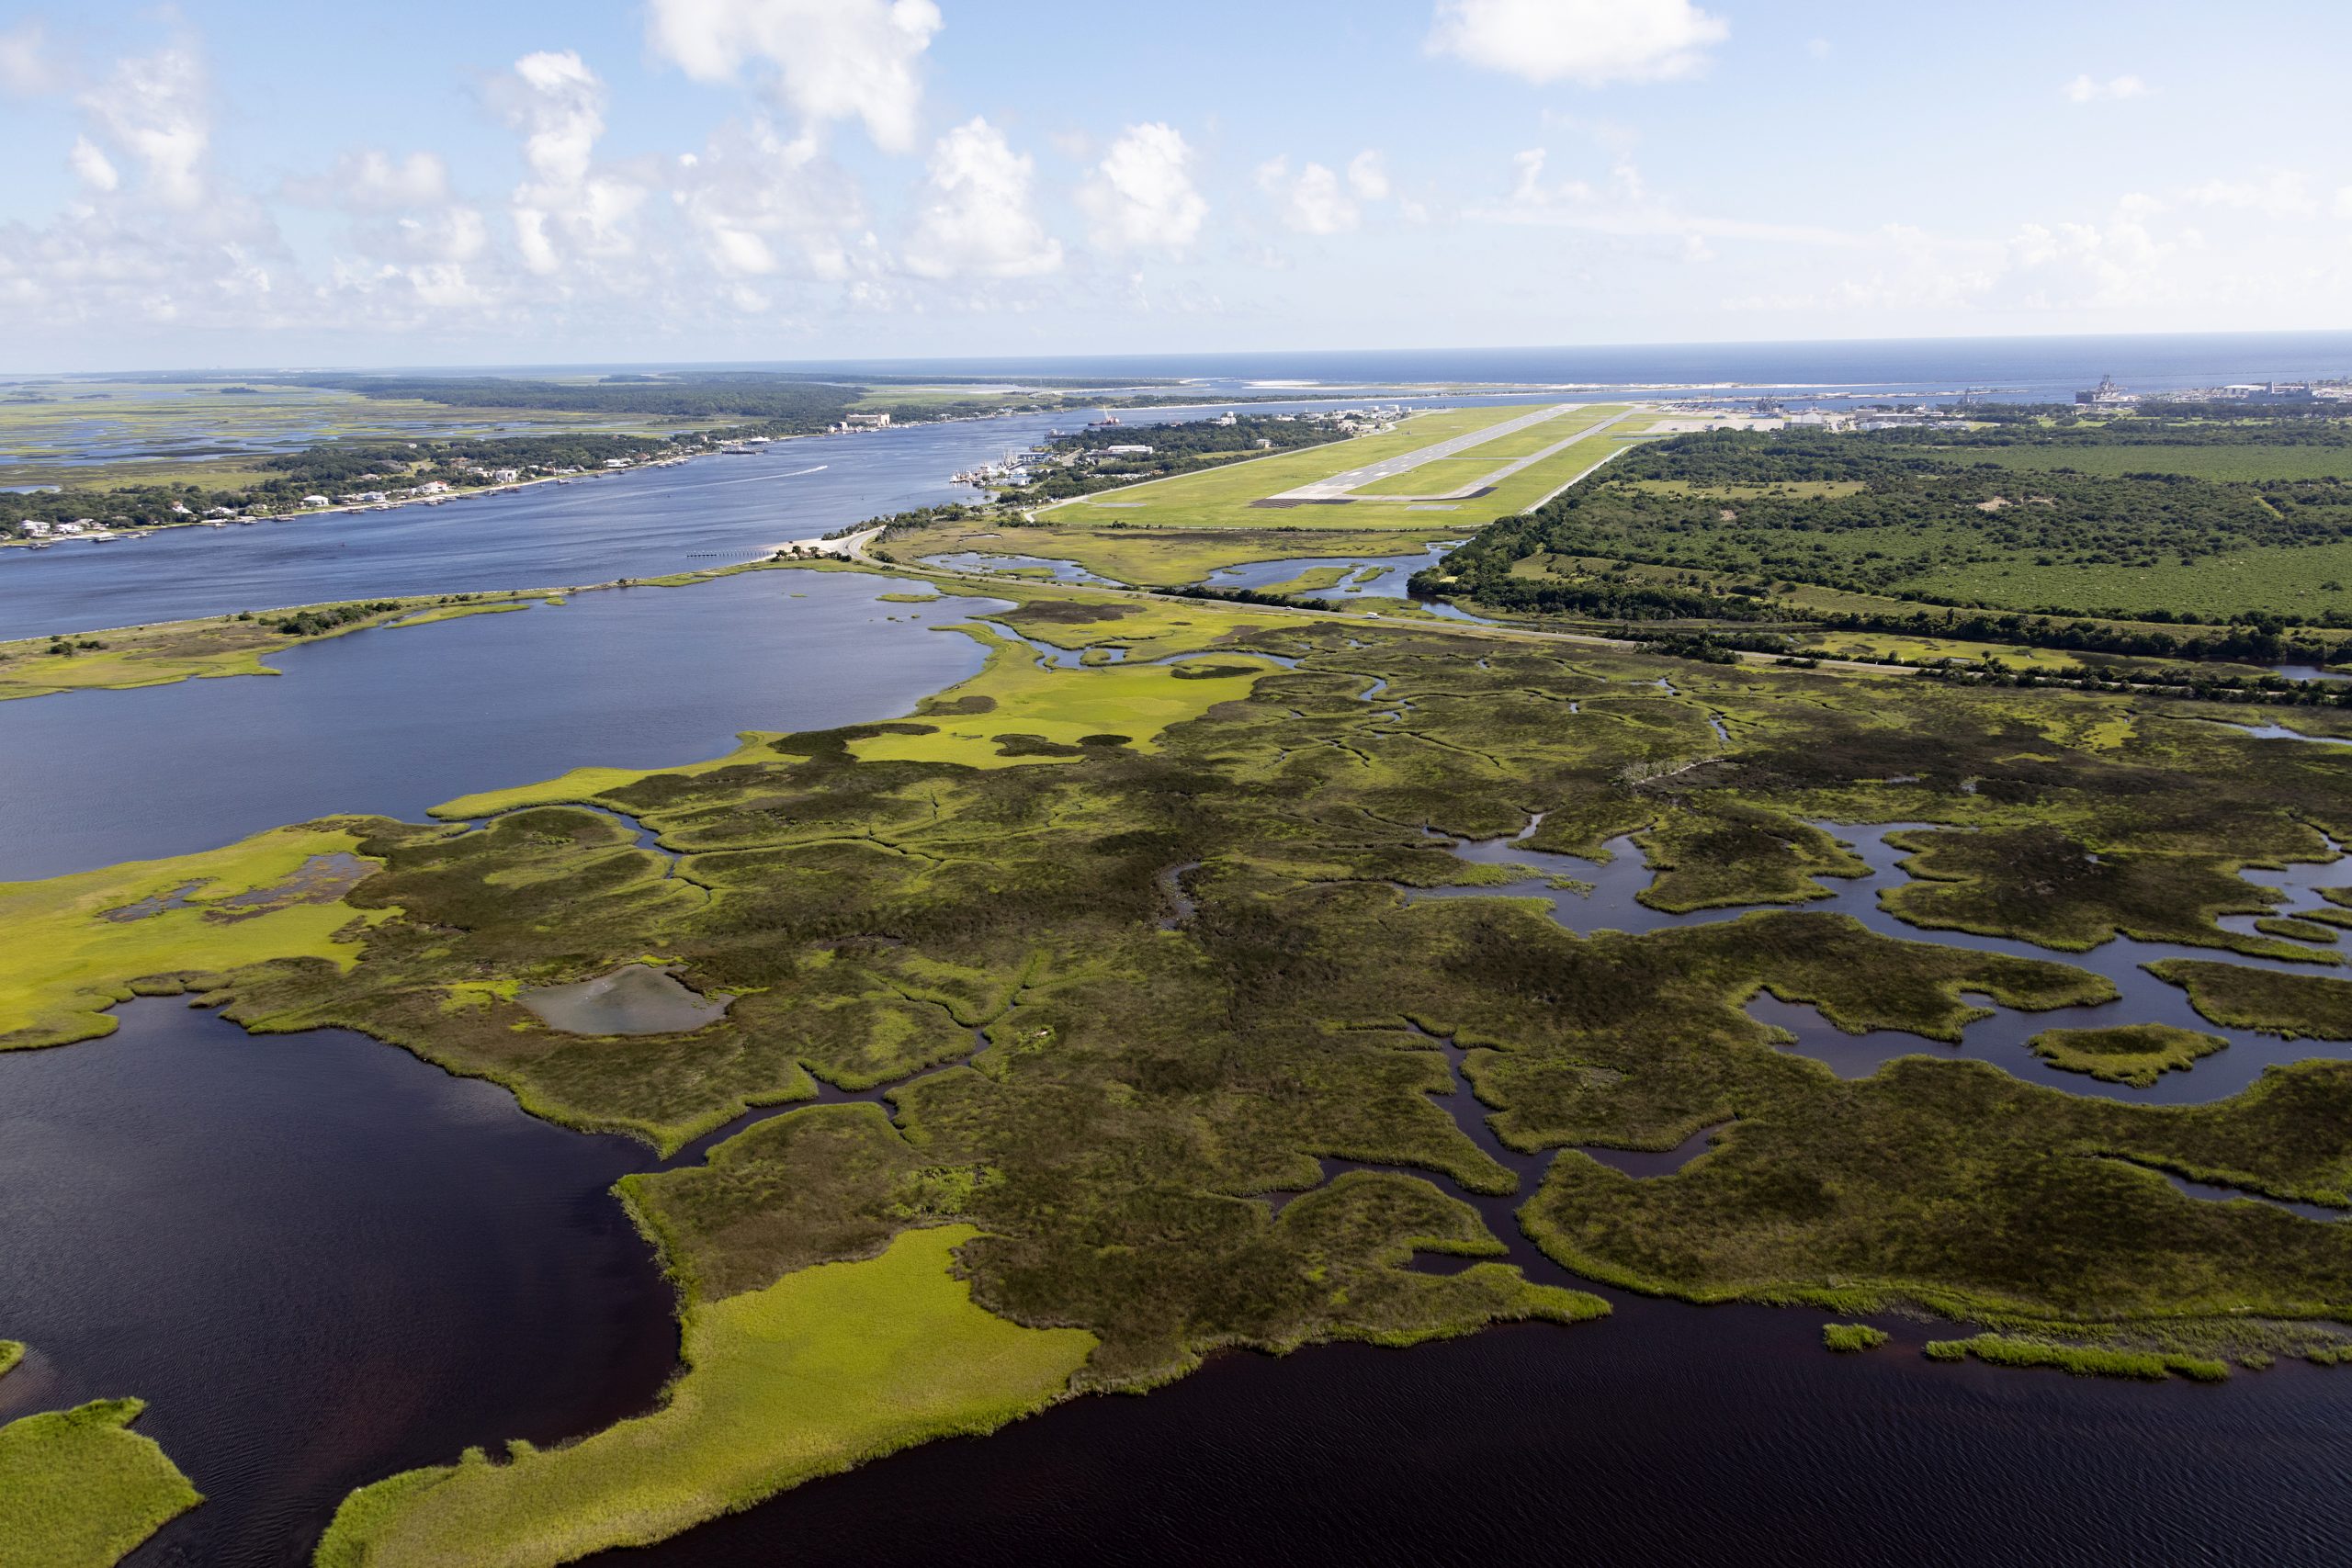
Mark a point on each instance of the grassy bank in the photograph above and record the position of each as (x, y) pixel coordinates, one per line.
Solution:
(2082, 1361)
(79, 1489)
(2136, 1053)
(824, 1369)
(172, 651)
(78, 943)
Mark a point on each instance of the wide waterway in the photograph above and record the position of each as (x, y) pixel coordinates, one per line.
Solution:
(641, 523)
(396, 720)
(321, 1260)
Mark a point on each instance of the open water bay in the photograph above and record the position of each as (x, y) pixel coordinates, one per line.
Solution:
(395, 720)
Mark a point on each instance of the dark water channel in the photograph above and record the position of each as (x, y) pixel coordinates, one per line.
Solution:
(643, 523)
(318, 1259)
(1613, 905)
(1665, 1434)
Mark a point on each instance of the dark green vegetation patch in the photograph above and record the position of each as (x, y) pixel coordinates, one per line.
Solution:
(2136, 1053)
(1138, 1112)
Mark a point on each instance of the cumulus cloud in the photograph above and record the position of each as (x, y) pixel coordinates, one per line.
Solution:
(2284, 193)
(568, 208)
(1590, 42)
(762, 204)
(2087, 89)
(825, 60)
(92, 166)
(1311, 201)
(1141, 195)
(374, 181)
(153, 107)
(1318, 199)
(976, 217)
(1621, 203)
(24, 60)
(2117, 261)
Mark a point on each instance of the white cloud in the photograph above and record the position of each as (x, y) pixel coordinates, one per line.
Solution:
(92, 166)
(568, 209)
(559, 104)
(24, 63)
(762, 204)
(2103, 263)
(153, 107)
(2086, 89)
(1622, 205)
(1141, 195)
(828, 59)
(1590, 43)
(2282, 194)
(2344, 201)
(374, 181)
(1320, 200)
(976, 217)
(1312, 201)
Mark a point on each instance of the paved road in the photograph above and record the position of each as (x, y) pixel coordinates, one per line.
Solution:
(1339, 485)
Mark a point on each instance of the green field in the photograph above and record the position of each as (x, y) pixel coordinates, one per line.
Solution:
(79, 1489)
(2230, 463)
(2300, 583)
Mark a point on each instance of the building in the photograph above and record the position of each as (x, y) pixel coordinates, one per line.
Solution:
(2107, 394)
(865, 421)
(37, 528)
(316, 501)
(1128, 450)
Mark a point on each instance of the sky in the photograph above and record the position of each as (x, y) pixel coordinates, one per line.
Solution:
(256, 183)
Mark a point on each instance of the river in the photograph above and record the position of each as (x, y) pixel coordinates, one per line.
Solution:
(395, 720)
(641, 523)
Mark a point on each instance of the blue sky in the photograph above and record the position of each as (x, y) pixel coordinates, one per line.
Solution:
(246, 183)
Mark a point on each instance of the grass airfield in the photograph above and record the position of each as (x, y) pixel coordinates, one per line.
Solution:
(1238, 494)
(1171, 530)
